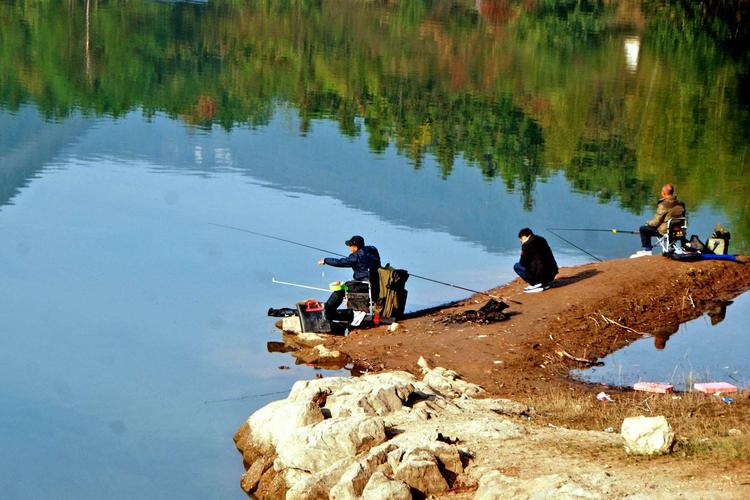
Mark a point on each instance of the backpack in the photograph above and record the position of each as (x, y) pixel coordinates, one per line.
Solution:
(391, 299)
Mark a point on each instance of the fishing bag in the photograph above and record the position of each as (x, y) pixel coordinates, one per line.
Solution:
(719, 240)
(392, 293)
(695, 244)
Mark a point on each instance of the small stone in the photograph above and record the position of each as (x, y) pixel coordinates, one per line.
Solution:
(734, 432)
(393, 327)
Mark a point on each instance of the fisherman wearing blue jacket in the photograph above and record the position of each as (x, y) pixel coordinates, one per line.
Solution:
(362, 259)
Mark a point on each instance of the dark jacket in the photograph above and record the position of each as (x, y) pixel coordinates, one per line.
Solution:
(362, 261)
(537, 258)
(667, 208)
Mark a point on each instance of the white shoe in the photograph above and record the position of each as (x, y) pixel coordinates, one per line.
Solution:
(641, 253)
(534, 288)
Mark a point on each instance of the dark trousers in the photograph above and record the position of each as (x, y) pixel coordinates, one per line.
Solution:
(521, 271)
(333, 303)
(646, 233)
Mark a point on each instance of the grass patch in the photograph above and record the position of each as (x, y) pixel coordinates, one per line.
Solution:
(705, 425)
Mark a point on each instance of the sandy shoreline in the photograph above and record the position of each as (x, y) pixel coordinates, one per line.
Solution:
(593, 310)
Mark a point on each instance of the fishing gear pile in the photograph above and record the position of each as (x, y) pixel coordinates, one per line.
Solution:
(492, 312)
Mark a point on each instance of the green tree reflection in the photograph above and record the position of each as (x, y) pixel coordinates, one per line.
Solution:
(519, 89)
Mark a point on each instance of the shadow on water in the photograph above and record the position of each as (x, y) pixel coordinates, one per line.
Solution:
(711, 348)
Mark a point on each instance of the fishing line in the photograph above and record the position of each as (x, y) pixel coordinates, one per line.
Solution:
(277, 238)
(248, 396)
(574, 245)
(613, 230)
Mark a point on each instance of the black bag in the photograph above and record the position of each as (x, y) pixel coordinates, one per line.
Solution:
(696, 245)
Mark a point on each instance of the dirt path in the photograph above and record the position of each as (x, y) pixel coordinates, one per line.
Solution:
(591, 311)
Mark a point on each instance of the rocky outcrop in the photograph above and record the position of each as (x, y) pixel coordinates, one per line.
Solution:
(376, 435)
(392, 435)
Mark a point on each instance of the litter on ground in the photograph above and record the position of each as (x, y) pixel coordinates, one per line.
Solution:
(713, 387)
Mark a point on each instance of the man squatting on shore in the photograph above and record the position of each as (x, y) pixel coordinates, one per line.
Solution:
(537, 265)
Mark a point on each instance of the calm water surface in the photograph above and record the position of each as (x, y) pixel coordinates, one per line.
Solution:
(712, 348)
(134, 332)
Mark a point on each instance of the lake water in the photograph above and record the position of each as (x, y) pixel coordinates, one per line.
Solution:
(712, 348)
(134, 330)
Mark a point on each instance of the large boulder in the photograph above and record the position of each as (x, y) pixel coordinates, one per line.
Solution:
(647, 435)
(312, 448)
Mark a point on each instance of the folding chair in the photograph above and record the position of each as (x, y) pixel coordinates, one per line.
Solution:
(675, 238)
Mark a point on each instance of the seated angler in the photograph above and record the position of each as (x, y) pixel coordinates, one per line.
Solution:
(362, 259)
(537, 265)
(668, 207)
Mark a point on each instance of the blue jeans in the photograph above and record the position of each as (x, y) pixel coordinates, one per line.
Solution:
(521, 271)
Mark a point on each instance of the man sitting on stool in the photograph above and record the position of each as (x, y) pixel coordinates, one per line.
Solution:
(668, 207)
(362, 260)
(537, 266)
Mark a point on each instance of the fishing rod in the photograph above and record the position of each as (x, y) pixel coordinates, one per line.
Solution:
(256, 233)
(613, 231)
(264, 235)
(574, 245)
(464, 288)
(274, 280)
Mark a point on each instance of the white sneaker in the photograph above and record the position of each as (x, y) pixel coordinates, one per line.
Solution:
(641, 253)
(534, 288)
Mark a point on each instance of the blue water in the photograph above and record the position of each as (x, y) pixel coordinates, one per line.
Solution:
(701, 350)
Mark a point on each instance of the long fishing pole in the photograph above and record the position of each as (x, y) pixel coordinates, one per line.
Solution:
(613, 230)
(264, 235)
(574, 245)
(256, 233)
(274, 280)
(464, 288)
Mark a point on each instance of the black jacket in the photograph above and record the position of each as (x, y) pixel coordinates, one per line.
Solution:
(537, 258)
(362, 261)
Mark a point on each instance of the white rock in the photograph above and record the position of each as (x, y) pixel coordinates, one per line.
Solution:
(324, 352)
(447, 382)
(422, 473)
(357, 475)
(380, 487)
(647, 435)
(279, 418)
(393, 327)
(291, 324)
(378, 399)
(312, 448)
